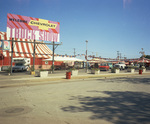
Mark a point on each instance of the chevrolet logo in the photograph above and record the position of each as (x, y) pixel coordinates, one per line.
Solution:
(42, 24)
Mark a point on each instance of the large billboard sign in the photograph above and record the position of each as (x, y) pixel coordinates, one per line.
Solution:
(32, 28)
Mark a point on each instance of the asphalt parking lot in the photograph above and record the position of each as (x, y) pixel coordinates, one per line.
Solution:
(111, 100)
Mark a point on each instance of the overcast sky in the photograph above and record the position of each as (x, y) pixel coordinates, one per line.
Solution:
(108, 25)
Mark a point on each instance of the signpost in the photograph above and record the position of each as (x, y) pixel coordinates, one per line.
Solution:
(24, 27)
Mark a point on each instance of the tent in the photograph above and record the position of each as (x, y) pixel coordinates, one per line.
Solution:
(64, 59)
(25, 49)
(95, 60)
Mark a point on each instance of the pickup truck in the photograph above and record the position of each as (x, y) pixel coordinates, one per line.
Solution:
(19, 67)
(104, 66)
(120, 65)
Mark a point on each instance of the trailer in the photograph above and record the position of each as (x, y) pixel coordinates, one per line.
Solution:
(21, 64)
(25, 61)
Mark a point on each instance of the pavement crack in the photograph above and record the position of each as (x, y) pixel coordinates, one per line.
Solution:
(66, 122)
(47, 112)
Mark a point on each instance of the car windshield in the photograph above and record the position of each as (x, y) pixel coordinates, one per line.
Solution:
(18, 64)
(103, 64)
(120, 63)
(116, 65)
(109, 63)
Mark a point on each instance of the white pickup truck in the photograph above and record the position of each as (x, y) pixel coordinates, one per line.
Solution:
(120, 65)
(19, 67)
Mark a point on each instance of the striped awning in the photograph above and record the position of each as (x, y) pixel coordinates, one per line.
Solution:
(25, 50)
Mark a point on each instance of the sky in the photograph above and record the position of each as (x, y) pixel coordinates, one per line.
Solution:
(108, 25)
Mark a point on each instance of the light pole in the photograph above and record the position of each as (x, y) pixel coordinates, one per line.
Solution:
(74, 53)
(143, 55)
(118, 55)
(86, 57)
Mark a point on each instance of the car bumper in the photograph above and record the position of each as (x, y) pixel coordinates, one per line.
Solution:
(104, 69)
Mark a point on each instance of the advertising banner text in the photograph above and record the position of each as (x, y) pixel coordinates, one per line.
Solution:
(32, 28)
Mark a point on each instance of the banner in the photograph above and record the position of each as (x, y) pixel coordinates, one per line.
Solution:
(32, 28)
(6, 45)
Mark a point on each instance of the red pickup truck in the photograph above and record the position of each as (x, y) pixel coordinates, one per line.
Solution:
(104, 66)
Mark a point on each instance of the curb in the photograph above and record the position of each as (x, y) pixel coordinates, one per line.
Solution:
(59, 79)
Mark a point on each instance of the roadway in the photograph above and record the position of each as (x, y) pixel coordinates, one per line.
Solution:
(111, 100)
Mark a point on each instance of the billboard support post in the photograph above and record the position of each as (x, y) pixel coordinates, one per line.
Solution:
(34, 57)
(12, 49)
(53, 57)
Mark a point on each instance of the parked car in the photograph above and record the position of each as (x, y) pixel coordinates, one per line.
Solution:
(120, 65)
(136, 65)
(104, 66)
(19, 67)
(110, 65)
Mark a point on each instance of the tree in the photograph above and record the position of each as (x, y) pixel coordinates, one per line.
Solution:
(147, 56)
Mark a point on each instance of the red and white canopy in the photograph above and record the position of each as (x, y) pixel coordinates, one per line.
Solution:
(25, 50)
(143, 60)
(140, 60)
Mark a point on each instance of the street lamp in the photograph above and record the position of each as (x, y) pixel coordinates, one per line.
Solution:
(143, 55)
(86, 57)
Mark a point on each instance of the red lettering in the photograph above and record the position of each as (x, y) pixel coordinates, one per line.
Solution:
(40, 35)
(28, 34)
(50, 36)
(16, 33)
(23, 34)
(33, 34)
(45, 35)
(9, 32)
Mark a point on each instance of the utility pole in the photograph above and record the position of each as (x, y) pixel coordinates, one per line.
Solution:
(74, 52)
(143, 55)
(86, 57)
(117, 55)
(96, 54)
(120, 56)
(125, 57)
